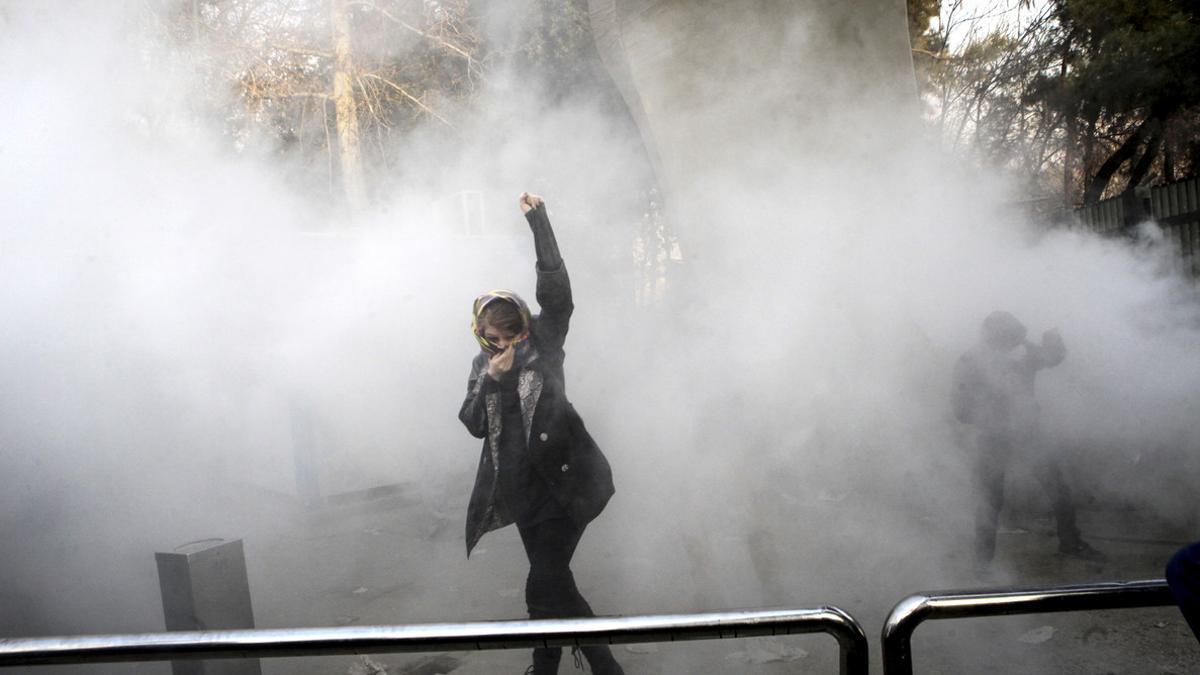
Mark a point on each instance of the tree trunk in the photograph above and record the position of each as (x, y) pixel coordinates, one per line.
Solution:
(1142, 166)
(1072, 128)
(346, 108)
(1168, 162)
(1069, 160)
(1106, 171)
(1092, 115)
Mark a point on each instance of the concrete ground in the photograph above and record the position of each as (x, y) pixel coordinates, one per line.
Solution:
(401, 561)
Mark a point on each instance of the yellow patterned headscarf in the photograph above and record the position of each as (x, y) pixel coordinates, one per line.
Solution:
(486, 299)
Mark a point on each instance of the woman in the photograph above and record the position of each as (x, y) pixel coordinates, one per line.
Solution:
(539, 468)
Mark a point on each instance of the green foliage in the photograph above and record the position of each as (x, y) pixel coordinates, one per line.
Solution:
(1133, 83)
(927, 42)
(921, 34)
(1087, 97)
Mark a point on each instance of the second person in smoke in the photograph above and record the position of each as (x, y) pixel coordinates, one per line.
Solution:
(994, 395)
(539, 467)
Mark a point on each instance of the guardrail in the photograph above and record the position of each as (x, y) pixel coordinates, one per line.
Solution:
(489, 635)
(222, 644)
(911, 611)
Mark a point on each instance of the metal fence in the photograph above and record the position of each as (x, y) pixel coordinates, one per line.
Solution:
(181, 645)
(490, 635)
(911, 611)
(1175, 207)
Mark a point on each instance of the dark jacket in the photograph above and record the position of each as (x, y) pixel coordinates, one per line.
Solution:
(994, 388)
(560, 448)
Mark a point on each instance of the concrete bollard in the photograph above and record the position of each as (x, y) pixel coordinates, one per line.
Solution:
(204, 587)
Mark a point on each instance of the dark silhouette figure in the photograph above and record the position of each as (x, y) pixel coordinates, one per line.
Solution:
(994, 395)
(1183, 577)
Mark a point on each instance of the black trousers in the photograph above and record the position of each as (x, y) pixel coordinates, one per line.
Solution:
(550, 591)
(995, 453)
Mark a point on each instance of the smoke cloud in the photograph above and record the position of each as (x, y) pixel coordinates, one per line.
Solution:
(180, 322)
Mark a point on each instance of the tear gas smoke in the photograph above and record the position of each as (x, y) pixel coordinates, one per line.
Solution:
(779, 426)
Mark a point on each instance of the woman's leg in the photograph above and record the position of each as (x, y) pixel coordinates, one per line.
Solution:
(550, 590)
(549, 582)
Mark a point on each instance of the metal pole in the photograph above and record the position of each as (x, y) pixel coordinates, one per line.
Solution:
(852, 642)
(487, 635)
(911, 611)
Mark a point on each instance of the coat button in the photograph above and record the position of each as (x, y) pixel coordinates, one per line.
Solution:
(565, 467)
(544, 436)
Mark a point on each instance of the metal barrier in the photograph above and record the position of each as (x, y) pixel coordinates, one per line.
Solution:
(911, 611)
(178, 645)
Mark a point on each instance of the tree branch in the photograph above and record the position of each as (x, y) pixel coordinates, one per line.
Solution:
(932, 55)
(1105, 173)
(304, 51)
(407, 26)
(416, 101)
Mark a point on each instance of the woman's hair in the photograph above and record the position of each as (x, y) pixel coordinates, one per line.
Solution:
(502, 310)
(502, 315)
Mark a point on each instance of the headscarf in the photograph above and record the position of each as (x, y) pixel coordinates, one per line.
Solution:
(488, 298)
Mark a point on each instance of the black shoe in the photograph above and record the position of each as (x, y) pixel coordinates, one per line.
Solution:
(1082, 550)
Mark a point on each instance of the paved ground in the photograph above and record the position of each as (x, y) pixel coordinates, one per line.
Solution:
(401, 561)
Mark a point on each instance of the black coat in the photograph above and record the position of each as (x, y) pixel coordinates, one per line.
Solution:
(560, 448)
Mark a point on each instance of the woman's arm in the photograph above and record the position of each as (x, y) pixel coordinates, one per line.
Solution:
(544, 243)
(473, 413)
(553, 284)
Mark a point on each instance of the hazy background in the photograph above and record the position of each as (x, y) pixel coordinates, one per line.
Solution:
(778, 422)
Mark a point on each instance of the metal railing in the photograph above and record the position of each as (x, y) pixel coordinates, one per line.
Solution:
(222, 644)
(911, 611)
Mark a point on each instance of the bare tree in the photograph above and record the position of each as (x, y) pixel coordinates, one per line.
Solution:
(318, 78)
(346, 105)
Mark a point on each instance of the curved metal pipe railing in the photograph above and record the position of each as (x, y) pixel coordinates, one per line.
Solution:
(220, 644)
(911, 611)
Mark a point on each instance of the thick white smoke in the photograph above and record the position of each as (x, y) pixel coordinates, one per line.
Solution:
(779, 427)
